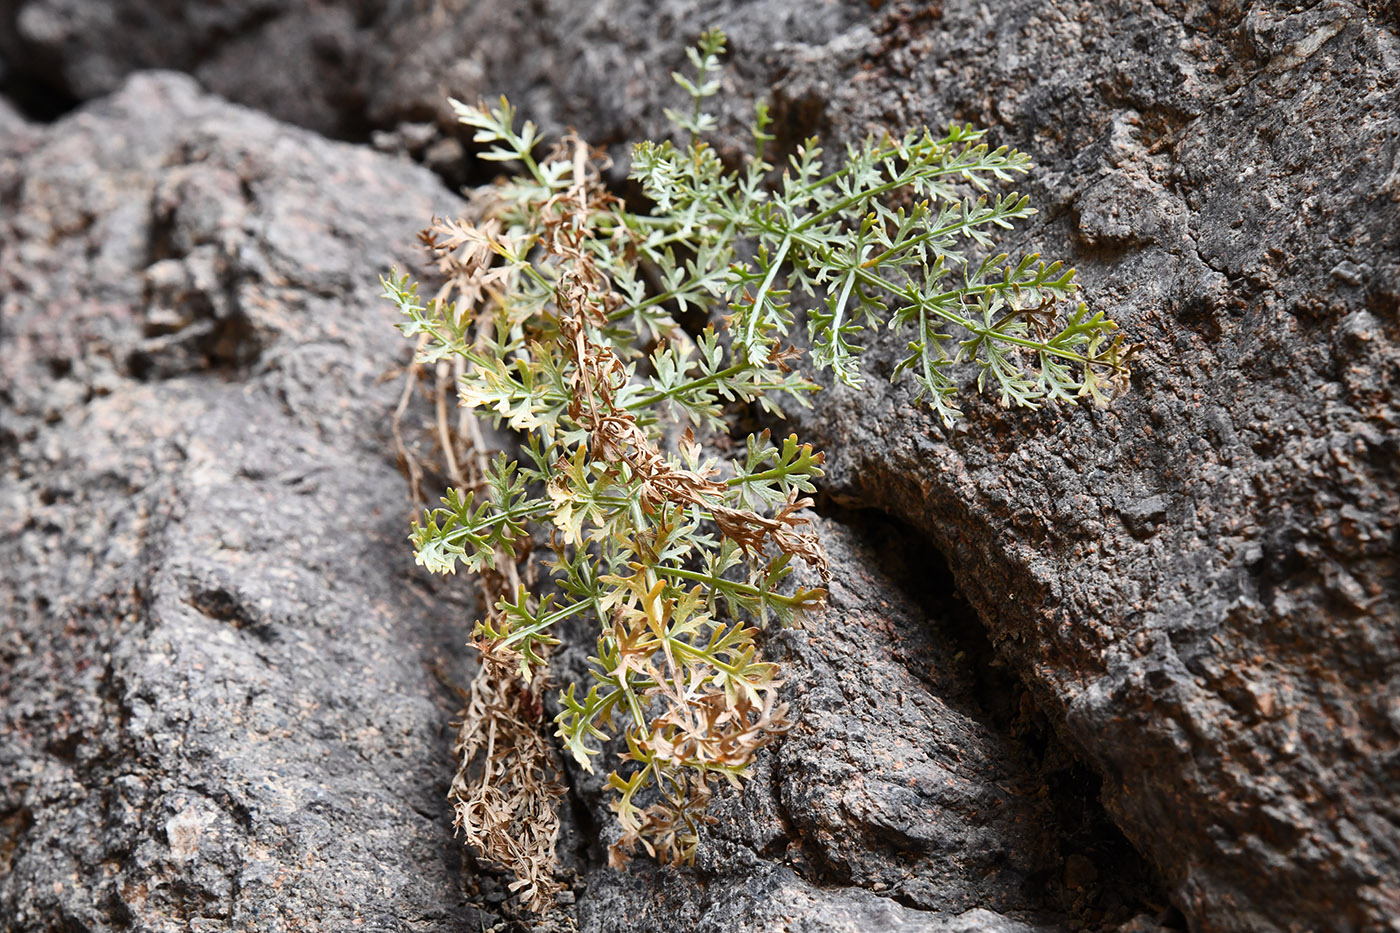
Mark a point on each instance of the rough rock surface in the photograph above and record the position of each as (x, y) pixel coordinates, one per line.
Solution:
(221, 695)
(1199, 585)
(1203, 583)
(343, 68)
(218, 699)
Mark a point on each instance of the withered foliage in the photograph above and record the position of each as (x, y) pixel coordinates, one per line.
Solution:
(506, 790)
(508, 783)
(555, 320)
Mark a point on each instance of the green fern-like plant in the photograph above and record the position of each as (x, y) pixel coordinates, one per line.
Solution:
(564, 331)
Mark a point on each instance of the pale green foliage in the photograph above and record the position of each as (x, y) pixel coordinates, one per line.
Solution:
(887, 238)
(565, 333)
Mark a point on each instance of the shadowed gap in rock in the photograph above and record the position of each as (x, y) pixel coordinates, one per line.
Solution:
(35, 98)
(1100, 862)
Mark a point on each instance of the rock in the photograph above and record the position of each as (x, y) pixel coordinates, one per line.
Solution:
(1197, 586)
(220, 706)
(344, 69)
(299, 60)
(11, 121)
(1200, 583)
(769, 898)
(221, 703)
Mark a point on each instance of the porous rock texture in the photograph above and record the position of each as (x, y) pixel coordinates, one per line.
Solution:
(1201, 584)
(343, 68)
(219, 694)
(223, 679)
(1198, 587)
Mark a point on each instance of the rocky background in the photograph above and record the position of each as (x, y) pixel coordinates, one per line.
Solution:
(1134, 669)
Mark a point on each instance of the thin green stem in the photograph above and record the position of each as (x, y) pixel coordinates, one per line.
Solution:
(476, 529)
(762, 296)
(904, 179)
(719, 583)
(684, 388)
(839, 310)
(951, 230)
(690, 651)
(932, 304)
(775, 473)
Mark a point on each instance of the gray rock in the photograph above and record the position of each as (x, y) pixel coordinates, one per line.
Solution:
(11, 121)
(220, 707)
(297, 59)
(1198, 586)
(344, 68)
(1200, 583)
(767, 898)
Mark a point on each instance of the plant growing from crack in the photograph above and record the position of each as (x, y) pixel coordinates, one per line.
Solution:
(556, 320)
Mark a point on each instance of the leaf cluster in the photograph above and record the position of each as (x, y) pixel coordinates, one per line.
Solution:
(563, 330)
